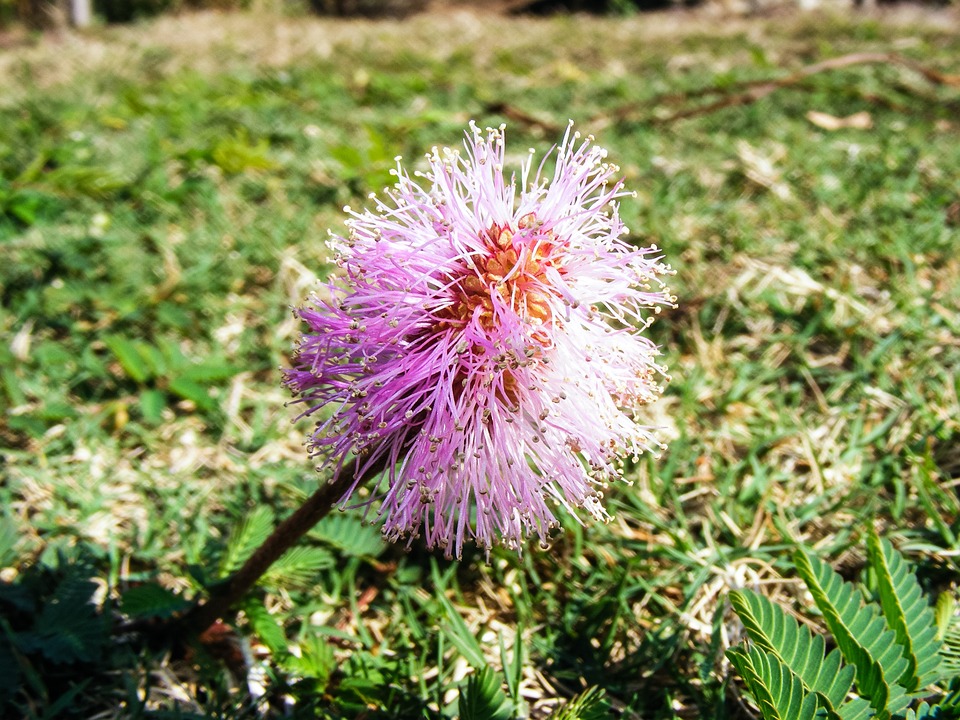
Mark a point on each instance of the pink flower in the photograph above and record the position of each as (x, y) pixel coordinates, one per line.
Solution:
(486, 349)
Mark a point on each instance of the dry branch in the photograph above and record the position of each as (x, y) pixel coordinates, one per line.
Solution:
(517, 115)
(753, 90)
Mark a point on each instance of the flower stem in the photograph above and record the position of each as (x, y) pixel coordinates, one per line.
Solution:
(225, 595)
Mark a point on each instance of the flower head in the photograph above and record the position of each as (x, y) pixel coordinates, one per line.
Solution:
(485, 358)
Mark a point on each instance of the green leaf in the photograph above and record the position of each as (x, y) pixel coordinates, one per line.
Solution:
(802, 652)
(861, 634)
(34, 169)
(190, 390)
(130, 358)
(456, 630)
(591, 704)
(68, 628)
(95, 182)
(482, 698)
(348, 156)
(924, 712)
(856, 709)
(298, 567)
(236, 154)
(209, 372)
(152, 600)
(779, 693)
(249, 535)
(316, 659)
(357, 693)
(24, 207)
(9, 537)
(152, 403)
(173, 357)
(266, 626)
(950, 652)
(349, 534)
(946, 604)
(742, 661)
(12, 384)
(513, 667)
(907, 613)
(154, 357)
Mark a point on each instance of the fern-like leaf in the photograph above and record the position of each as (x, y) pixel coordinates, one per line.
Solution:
(946, 604)
(950, 652)
(267, 627)
(315, 659)
(152, 600)
(297, 567)
(483, 698)
(69, 628)
(861, 633)
(856, 709)
(591, 704)
(741, 659)
(349, 535)
(907, 614)
(249, 535)
(777, 691)
(924, 712)
(803, 653)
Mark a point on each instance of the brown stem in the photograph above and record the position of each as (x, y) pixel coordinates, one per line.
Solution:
(289, 532)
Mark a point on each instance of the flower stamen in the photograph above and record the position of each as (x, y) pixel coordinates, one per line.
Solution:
(508, 274)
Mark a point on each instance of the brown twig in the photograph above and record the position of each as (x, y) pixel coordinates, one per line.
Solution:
(753, 90)
(517, 115)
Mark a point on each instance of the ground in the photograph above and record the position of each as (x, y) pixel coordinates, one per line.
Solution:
(165, 194)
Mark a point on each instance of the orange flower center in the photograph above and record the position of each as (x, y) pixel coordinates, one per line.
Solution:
(511, 268)
(510, 271)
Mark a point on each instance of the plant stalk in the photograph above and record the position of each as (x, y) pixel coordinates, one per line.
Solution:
(228, 593)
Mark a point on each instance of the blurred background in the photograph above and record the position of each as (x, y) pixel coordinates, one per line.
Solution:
(50, 13)
(168, 176)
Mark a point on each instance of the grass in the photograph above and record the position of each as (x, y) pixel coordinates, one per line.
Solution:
(165, 192)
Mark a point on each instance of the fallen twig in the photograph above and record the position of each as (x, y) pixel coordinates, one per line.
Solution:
(524, 118)
(753, 90)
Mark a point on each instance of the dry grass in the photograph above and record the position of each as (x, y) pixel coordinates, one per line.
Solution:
(814, 352)
(214, 42)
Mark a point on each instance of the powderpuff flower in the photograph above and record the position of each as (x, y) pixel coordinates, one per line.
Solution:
(484, 360)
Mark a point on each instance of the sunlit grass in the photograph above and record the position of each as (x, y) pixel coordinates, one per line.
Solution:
(162, 206)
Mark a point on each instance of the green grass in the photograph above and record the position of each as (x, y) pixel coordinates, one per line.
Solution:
(163, 205)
